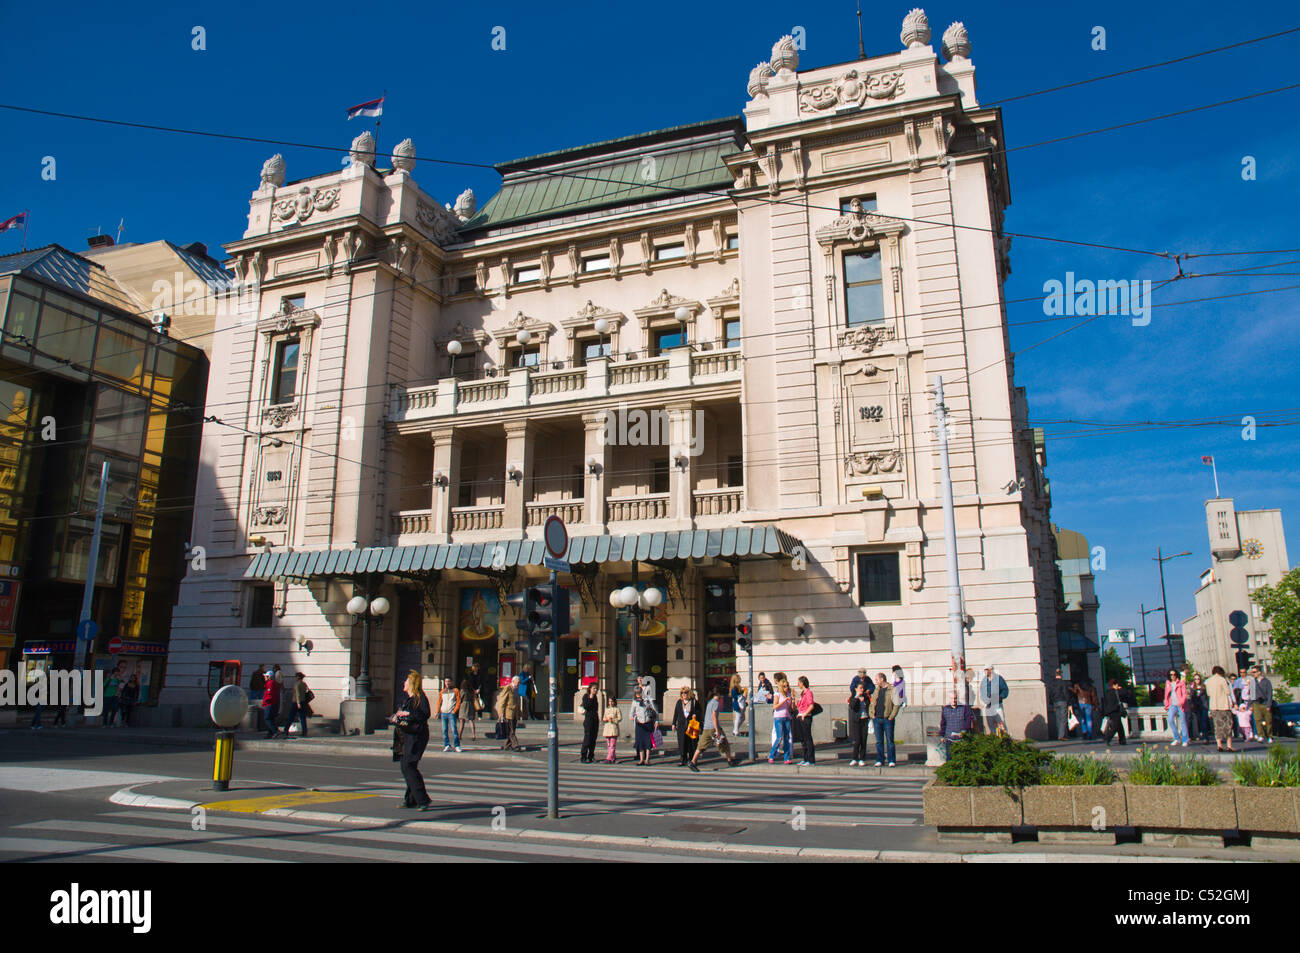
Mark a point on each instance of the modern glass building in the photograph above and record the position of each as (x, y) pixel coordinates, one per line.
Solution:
(85, 380)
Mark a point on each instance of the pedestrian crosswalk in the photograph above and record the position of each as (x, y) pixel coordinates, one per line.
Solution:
(169, 837)
(731, 795)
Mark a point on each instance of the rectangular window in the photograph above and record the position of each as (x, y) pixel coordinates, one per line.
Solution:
(733, 333)
(735, 471)
(525, 356)
(284, 373)
(466, 284)
(67, 332)
(733, 242)
(596, 263)
(1254, 582)
(659, 476)
(261, 606)
(119, 421)
(878, 578)
(120, 354)
(530, 273)
(868, 204)
(864, 299)
(666, 340)
(292, 303)
(669, 252)
(21, 320)
(589, 349)
(465, 366)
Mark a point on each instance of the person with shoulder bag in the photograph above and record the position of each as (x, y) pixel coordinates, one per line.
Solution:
(590, 721)
(508, 708)
(644, 717)
(686, 722)
(448, 707)
(808, 709)
(412, 720)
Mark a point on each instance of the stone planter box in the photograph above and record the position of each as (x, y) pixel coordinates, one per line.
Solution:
(1154, 806)
(1075, 805)
(977, 811)
(1271, 810)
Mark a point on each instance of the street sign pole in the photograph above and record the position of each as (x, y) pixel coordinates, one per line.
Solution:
(552, 729)
(88, 594)
(748, 718)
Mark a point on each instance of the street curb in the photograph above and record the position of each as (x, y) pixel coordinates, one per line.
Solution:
(128, 798)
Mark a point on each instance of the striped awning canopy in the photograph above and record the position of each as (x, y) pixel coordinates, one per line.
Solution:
(740, 542)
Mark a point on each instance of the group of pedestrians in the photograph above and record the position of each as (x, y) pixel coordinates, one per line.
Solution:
(281, 704)
(121, 696)
(876, 705)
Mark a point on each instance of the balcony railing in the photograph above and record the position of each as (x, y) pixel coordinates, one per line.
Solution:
(568, 510)
(412, 521)
(728, 499)
(601, 378)
(466, 519)
(652, 506)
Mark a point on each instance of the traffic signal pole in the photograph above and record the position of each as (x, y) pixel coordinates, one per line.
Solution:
(552, 729)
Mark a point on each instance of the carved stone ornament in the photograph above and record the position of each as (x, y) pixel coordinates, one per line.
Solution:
(300, 207)
(758, 78)
(277, 415)
(858, 227)
(852, 89)
(865, 339)
(270, 515)
(873, 462)
(404, 156)
(956, 42)
(466, 205)
(273, 171)
(785, 55)
(436, 221)
(916, 29)
(363, 150)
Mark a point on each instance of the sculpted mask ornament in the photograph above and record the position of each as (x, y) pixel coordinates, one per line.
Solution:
(758, 78)
(956, 42)
(466, 205)
(784, 55)
(404, 156)
(916, 29)
(273, 171)
(271, 515)
(363, 150)
(878, 461)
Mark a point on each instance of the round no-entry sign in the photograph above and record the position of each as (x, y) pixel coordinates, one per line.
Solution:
(114, 645)
(556, 537)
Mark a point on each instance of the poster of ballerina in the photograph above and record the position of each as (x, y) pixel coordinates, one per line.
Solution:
(480, 614)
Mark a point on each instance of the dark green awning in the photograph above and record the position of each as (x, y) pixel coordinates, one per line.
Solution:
(739, 542)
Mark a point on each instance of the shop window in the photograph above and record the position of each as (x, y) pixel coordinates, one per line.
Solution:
(878, 578)
(261, 607)
(864, 299)
(284, 373)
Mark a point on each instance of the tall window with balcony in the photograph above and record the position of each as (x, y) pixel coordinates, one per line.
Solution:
(667, 339)
(864, 299)
(589, 348)
(731, 332)
(525, 356)
(284, 371)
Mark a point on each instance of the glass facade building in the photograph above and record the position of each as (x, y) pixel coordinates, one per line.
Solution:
(84, 381)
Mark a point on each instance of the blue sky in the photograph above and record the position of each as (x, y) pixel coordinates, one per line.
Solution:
(289, 71)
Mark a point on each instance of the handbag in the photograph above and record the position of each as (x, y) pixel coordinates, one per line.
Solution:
(693, 728)
(657, 739)
(1072, 721)
(310, 696)
(815, 710)
(502, 731)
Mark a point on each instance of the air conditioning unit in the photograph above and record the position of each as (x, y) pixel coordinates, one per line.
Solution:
(161, 322)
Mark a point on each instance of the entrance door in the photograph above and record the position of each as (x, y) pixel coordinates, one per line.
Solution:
(410, 633)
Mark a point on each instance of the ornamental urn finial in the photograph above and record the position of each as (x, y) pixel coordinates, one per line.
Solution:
(916, 29)
(466, 205)
(784, 55)
(758, 78)
(404, 156)
(273, 171)
(956, 42)
(363, 150)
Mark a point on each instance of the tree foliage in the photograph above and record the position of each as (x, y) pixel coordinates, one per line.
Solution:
(1112, 666)
(1280, 605)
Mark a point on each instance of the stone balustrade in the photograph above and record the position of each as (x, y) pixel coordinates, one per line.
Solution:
(568, 510)
(720, 502)
(651, 506)
(466, 519)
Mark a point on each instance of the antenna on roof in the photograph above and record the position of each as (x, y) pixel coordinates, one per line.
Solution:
(121, 224)
(862, 52)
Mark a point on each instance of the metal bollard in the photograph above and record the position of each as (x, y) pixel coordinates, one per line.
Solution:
(223, 762)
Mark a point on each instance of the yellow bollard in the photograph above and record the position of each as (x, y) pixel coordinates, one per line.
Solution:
(223, 762)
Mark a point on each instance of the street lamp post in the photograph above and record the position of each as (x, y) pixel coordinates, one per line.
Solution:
(1164, 602)
(638, 604)
(364, 611)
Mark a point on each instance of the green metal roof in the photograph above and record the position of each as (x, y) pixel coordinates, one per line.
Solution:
(738, 542)
(625, 171)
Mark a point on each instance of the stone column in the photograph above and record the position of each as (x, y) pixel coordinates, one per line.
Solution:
(446, 459)
(520, 438)
(685, 441)
(594, 484)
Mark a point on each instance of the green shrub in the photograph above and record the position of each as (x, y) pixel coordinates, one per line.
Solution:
(1150, 766)
(1073, 769)
(1281, 769)
(992, 760)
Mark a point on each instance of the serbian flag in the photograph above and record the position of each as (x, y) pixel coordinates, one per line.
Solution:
(1208, 461)
(373, 108)
(18, 221)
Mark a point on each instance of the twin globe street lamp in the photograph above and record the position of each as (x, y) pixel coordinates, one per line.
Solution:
(638, 603)
(363, 612)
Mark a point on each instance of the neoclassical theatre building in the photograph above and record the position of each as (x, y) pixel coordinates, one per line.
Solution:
(709, 349)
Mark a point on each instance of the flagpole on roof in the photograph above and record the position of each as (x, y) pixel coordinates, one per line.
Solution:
(27, 217)
(378, 120)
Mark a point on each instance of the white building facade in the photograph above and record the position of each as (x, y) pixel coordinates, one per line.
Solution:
(709, 349)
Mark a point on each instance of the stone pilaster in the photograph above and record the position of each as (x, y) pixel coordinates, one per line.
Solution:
(594, 447)
(520, 438)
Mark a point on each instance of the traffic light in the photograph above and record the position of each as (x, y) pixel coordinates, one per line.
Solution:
(745, 634)
(1240, 638)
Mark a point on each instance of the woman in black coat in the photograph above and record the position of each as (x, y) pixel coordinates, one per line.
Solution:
(590, 723)
(688, 707)
(412, 719)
